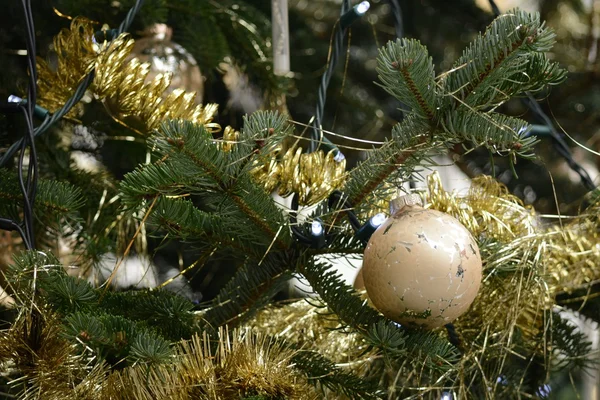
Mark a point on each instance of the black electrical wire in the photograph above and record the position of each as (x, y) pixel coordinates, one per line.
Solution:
(28, 183)
(338, 199)
(559, 144)
(338, 43)
(495, 8)
(79, 92)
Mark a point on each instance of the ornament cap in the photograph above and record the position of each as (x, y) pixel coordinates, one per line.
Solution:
(408, 200)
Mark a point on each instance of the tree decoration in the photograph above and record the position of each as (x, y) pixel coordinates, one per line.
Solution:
(202, 191)
(311, 176)
(121, 84)
(421, 267)
(167, 57)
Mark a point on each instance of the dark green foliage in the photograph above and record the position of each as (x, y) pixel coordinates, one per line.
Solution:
(180, 218)
(393, 162)
(117, 326)
(494, 67)
(115, 339)
(68, 294)
(27, 265)
(196, 165)
(263, 131)
(168, 313)
(504, 134)
(250, 287)
(406, 72)
(150, 349)
(322, 371)
(54, 201)
(458, 106)
(570, 344)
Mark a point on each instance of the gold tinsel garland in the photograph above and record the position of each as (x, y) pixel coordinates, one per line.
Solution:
(75, 55)
(243, 364)
(118, 83)
(141, 106)
(312, 176)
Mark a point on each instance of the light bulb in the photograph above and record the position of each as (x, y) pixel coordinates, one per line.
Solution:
(316, 228)
(363, 7)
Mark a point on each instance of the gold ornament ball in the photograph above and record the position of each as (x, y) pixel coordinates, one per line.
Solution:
(421, 267)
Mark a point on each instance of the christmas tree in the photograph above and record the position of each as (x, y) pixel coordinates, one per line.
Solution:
(474, 312)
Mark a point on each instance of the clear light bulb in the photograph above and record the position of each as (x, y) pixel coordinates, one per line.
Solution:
(316, 228)
(363, 7)
(378, 219)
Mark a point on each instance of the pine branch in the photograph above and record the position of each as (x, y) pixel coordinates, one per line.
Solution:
(254, 203)
(570, 346)
(380, 332)
(150, 349)
(191, 150)
(54, 200)
(68, 294)
(539, 73)
(116, 339)
(262, 134)
(497, 132)
(324, 372)
(195, 156)
(166, 312)
(27, 265)
(492, 69)
(148, 181)
(406, 72)
(181, 219)
(243, 292)
(394, 160)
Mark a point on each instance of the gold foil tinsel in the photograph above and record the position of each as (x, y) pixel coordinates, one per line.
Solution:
(488, 208)
(312, 176)
(568, 254)
(75, 54)
(119, 83)
(310, 326)
(526, 264)
(247, 364)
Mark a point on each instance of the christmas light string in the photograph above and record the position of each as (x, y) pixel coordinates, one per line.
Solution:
(30, 110)
(79, 92)
(337, 198)
(397, 13)
(28, 184)
(348, 16)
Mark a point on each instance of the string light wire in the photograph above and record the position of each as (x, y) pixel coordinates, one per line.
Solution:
(28, 182)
